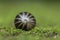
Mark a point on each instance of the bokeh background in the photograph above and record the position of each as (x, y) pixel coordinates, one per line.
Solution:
(47, 14)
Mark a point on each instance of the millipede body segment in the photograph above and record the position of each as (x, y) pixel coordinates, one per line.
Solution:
(25, 21)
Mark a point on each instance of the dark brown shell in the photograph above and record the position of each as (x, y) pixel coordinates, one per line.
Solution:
(25, 21)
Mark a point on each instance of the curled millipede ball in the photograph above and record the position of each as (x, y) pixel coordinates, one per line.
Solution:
(25, 21)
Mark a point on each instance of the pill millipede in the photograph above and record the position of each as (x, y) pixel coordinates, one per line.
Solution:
(25, 21)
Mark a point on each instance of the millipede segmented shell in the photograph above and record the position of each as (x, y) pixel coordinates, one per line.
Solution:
(25, 21)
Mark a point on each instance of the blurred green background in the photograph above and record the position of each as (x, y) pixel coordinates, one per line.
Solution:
(47, 14)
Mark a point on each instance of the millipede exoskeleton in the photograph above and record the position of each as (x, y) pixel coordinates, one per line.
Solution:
(25, 21)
